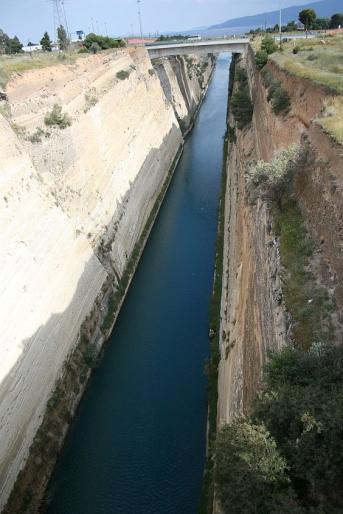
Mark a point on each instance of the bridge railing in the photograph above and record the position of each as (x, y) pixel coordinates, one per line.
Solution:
(176, 42)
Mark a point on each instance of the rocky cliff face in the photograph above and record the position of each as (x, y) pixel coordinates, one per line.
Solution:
(77, 204)
(253, 317)
(252, 320)
(184, 80)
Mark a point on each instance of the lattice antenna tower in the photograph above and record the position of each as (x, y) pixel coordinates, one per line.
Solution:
(60, 17)
(140, 18)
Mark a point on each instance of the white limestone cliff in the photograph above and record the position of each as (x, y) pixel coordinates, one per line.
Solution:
(74, 203)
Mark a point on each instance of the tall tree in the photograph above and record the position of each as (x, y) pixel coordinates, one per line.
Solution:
(3, 41)
(14, 46)
(307, 17)
(63, 41)
(336, 21)
(46, 43)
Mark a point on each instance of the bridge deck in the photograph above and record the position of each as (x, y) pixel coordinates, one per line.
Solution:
(198, 47)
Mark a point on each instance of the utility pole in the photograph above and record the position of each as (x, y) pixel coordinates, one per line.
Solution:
(280, 24)
(140, 18)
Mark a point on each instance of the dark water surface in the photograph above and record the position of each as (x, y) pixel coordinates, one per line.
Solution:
(137, 445)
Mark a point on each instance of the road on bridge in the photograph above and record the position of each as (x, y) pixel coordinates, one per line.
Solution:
(199, 47)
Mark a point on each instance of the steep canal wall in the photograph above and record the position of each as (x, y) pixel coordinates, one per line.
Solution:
(255, 317)
(184, 79)
(87, 152)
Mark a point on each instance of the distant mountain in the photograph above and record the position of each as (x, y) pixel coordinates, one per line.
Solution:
(324, 9)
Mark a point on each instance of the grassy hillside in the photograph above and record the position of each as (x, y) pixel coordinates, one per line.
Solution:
(322, 62)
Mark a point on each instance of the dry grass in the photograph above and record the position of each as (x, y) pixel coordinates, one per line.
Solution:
(23, 62)
(332, 122)
(321, 61)
(256, 41)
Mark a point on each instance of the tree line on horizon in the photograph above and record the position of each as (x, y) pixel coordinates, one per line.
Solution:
(92, 43)
(308, 18)
(10, 46)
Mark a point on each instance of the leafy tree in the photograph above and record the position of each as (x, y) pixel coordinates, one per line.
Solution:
(336, 21)
(290, 27)
(307, 17)
(103, 42)
(3, 41)
(14, 46)
(301, 406)
(250, 474)
(269, 45)
(321, 24)
(46, 43)
(63, 41)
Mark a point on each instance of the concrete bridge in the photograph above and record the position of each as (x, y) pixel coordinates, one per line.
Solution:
(238, 46)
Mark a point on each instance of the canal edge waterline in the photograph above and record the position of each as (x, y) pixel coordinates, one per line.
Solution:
(207, 490)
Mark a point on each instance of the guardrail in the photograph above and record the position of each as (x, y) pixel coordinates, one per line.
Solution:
(202, 40)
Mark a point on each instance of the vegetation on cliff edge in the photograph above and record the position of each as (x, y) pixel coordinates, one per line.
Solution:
(240, 104)
(287, 456)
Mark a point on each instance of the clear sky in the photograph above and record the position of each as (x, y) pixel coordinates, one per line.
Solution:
(28, 19)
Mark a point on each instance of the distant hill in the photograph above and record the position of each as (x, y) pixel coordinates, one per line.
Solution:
(324, 8)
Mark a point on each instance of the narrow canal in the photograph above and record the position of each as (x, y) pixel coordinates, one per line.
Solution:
(137, 445)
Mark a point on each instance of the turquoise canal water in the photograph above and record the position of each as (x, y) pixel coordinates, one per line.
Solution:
(137, 445)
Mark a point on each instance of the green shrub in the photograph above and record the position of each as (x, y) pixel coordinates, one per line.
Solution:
(103, 42)
(307, 303)
(91, 99)
(268, 78)
(241, 107)
(280, 100)
(272, 180)
(122, 74)
(240, 101)
(301, 406)
(261, 59)
(231, 134)
(37, 136)
(296, 49)
(250, 473)
(94, 48)
(269, 45)
(90, 356)
(57, 119)
(241, 76)
(276, 94)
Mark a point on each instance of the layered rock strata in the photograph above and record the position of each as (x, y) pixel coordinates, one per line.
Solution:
(81, 184)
